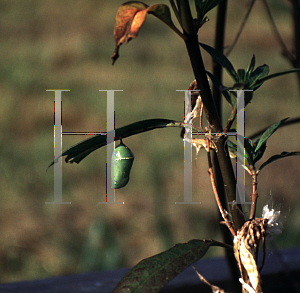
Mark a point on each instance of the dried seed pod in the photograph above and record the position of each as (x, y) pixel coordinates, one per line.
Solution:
(121, 163)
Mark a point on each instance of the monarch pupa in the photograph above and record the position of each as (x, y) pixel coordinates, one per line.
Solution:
(121, 163)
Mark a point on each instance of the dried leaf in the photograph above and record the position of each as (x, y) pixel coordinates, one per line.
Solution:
(131, 17)
(246, 245)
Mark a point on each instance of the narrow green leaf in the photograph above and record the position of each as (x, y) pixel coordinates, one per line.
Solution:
(260, 72)
(79, 151)
(241, 73)
(231, 145)
(250, 67)
(152, 274)
(254, 79)
(162, 12)
(202, 7)
(222, 60)
(232, 148)
(268, 133)
(260, 152)
(277, 157)
(263, 79)
(249, 148)
(212, 4)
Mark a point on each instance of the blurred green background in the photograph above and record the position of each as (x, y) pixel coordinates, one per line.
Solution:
(64, 44)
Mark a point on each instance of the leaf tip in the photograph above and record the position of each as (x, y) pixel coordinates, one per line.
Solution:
(49, 166)
(115, 55)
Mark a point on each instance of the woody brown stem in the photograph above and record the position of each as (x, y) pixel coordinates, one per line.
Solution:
(214, 123)
(254, 194)
(212, 179)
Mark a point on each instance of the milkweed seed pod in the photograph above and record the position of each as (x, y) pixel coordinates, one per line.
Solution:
(121, 163)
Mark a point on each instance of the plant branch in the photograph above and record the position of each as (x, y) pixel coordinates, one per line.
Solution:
(173, 5)
(217, 94)
(198, 66)
(241, 28)
(254, 194)
(231, 118)
(285, 51)
(219, 46)
(210, 110)
(214, 187)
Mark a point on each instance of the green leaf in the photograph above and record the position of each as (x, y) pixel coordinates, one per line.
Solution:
(222, 60)
(259, 72)
(263, 79)
(241, 73)
(162, 12)
(152, 274)
(259, 80)
(249, 148)
(79, 151)
(232, 148)
(210, 4)
(277, 157)
(260, 152)
(221, 88)
(250, 67)
(268, 133)
(202, 7)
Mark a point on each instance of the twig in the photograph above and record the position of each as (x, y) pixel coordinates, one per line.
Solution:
(201, 115)
(215, 289)
(241, 28)
(254, 195)
(223, 213)
(231, 118)
(285, 51)
(176, 12)
(248, 170)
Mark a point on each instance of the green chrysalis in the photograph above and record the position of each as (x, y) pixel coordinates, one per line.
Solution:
(121, 163)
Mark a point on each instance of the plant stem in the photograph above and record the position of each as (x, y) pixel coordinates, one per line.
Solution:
(175, 11)
(197, 65)
(241, 28)
(210, 110)
(213, 183)
(218, 73)
(254, 194)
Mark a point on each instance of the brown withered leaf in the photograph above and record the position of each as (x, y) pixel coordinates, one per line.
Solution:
(131, 17)
(246, 246)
